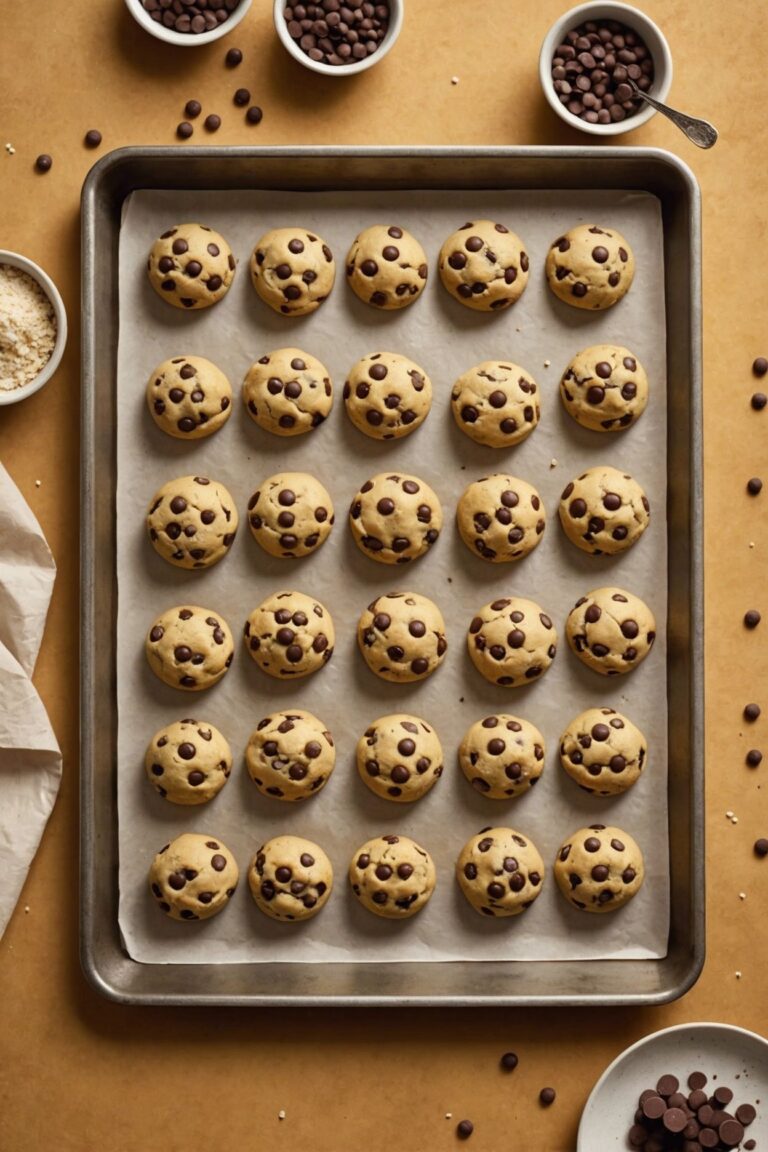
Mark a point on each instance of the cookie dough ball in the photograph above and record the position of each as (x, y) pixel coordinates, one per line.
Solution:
(496, 403)
(603, 751)
(291, 514)
(500, 872)
(189, 647)
(193, 877)
(604, 511)
(501, 518)
(502, 756)
(605, 388)
(290, 878)
(611, 630)
(290, 755)
(392, 876)
(599, 868)
(290, 635)
(292, 270)
(288, 392)
(192, 522)
(387, 267)
(395, 518)
(402, 637)
(387, 396)
(188, 762)
(191, 266)
(590, 267)
(400, 757)
(189, 397)
(512, 641)
(484, 266)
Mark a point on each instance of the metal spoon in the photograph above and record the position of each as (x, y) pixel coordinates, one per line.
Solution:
(700, 132)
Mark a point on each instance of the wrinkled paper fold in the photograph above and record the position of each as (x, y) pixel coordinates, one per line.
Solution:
(30, 759)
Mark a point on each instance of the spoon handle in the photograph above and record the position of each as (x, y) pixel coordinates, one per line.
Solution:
(699, 132)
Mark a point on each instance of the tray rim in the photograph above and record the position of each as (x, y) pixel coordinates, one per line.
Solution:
(89, 928)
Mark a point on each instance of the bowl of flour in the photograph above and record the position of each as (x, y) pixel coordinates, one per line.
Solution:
(33, 327)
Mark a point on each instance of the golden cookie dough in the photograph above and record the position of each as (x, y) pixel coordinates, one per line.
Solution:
(387, 396)
(502, 756)
(189, 397)
(603, 751)
(500, 872)
(189, 647)
(188, 762)
(291, 514)
(395, 518)
(288, 392)
(605, 388)
(611, 630)
(290, 755)
(290, 635)
(402, 637)
(590, 267)
(599, 868)
(292, 270)
(191, 266)
(512, 641)
(484, 266)
(392, 876)
(192, 522)
(496, 403)
(604, 511)
(387, 267)
(290, 878)
(193, 877)
(501, 518)
(400, 757)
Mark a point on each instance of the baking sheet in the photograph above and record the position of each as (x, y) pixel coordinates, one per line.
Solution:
(445, 339)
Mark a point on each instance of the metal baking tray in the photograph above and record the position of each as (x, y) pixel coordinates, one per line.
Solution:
(529, 983)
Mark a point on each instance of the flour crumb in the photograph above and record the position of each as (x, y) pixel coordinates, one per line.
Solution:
(553, 463)
(10, 149)
(547, 363)
(38, 483)
(281, 1114)
(454, 80)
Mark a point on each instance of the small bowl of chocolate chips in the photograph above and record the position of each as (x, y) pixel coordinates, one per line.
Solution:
(338, 37)
(588, 58)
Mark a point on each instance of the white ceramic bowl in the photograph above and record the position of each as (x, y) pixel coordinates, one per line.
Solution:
(52, 292)
(185, 39)
(392, 33)
(650, 34)
(738, 1058)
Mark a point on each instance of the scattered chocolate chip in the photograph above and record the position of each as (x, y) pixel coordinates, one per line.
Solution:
(254, 115)
(547, 1096)
(751, 712)
(754, 758)
(754, 486)
(761, 847)
(759, 401)
(509, 1061)
(192, 109)
(242, 97)
(92, 138)
(44, 163)
(212, 123)
(752, 618)
(184, 130)
(233, 58)
(464, 1129)
(760, 366)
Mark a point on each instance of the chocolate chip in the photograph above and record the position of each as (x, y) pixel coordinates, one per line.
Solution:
(92, 138)
(754, 758)
(761, 847)
(464, 1129)
(44, 163)
(509, 1061)
(254, 115)
(751, 712)
(759, 401)
(233, 57)
(754, 486)
(184, 130)
(547, 1096)
(212, 123)
(752, 618)
(192, 109)
(760, 366)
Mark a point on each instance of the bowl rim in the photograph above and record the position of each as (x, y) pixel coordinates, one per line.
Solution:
(186, 39)
(396, 8)
(634, 18)
(17, 260)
